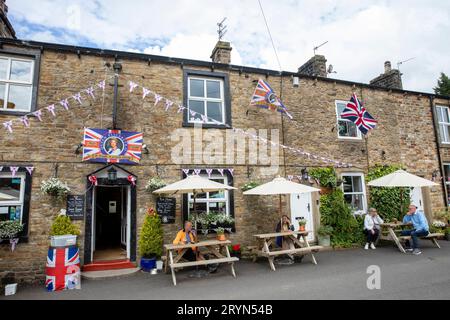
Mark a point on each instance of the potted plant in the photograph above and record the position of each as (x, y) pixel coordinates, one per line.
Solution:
(150, 241)
(326, 178)
(55, 188)
(155, 183)
(249, 185)
(301, 223)
(9, 230)
(235, 250)
(438, 227)
(220, 234)
(324, 235)
(63, 232)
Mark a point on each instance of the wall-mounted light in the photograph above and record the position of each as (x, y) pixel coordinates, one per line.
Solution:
(78, 149)
(112, 174)
(146, 151)
(296, 81)
(383, 155)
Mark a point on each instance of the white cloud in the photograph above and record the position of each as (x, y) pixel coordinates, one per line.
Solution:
(361, 34)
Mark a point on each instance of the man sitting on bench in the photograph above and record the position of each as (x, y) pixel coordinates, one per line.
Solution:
(420, 228)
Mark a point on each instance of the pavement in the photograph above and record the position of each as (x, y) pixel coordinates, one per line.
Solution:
(338, 275)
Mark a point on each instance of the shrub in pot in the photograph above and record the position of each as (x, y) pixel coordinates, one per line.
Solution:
(324, 235)
(63, 226)
(150, 241)
(301, 223)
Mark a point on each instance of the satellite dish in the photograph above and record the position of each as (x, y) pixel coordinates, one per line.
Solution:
(331, 69)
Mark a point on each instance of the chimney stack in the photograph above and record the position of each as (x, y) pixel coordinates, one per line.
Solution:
(316, 67)
(6, 29)
(391, 78)
(222, 53)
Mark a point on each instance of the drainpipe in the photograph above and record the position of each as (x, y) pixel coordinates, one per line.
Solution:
(117, 68)
(436, 134)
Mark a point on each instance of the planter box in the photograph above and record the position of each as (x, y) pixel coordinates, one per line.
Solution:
(63, 241)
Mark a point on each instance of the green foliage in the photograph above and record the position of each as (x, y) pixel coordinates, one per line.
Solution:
(10, 229)
(250, 185)
(443, 85)
(326, 176)
(335, 213)
(388, 201)
(155, 183)
(62, 225)
(325, 231)
(151, 237)
(220, 230)
(447, 231)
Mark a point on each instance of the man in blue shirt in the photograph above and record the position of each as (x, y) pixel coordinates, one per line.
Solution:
(420, 228)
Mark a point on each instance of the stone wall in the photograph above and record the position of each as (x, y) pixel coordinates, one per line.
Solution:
(314, 129)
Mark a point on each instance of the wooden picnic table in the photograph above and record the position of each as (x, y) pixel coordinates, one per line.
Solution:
(389, 232)
(175, 252)
(267, 241)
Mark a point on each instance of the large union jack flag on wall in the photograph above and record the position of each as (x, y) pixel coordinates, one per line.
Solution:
(358, 114)
(62, 265)
(112, 146)
(265, 97)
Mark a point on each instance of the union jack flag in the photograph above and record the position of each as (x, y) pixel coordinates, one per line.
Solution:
(112, 146)
(358, 114)
(265, 97)
(62, 265)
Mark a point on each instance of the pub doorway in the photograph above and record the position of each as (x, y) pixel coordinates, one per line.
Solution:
(110, 223)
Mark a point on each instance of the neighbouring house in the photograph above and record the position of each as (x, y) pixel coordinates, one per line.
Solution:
(35, 75)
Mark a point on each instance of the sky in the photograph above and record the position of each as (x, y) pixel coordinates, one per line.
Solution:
(361, 34)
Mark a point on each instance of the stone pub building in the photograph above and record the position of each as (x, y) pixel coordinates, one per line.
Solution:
(413, 131)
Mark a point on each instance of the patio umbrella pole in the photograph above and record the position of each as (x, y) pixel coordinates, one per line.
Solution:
(197, 273)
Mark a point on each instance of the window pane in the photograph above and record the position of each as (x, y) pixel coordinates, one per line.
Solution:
(340, 107)
(19, 97)
(357, 184)
(213, 88)
(10, 212)
(439, 113)
(4, 69)
(445, 133)
(355, 201)
(199, 207)
(445, 115)
(215, 111)
(447, 172)
(218, 207)
(21, 70)
(196, 106)
(347, 181)
(10, 189)
(197, 88)
(2, 95)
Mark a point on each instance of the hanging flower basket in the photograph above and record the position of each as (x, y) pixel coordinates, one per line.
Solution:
(55, 188)
(155, 183)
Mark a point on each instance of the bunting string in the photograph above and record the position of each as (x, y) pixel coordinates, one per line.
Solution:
(15, 169)
(51, 108)
(197, 117)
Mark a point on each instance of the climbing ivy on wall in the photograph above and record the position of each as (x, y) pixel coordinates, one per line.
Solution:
(387, 201)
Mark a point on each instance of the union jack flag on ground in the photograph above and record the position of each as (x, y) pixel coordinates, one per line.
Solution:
(265, 97)
(358, 114)
(112, 146)
(62, 265)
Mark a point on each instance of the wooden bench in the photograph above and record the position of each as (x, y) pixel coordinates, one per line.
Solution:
(212, 247)
(432, 236)
(267, 241)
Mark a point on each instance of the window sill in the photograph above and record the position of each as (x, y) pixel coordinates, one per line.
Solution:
(206, 125)
(350, 139)
(13, 113)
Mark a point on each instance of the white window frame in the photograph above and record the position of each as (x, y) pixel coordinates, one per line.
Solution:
(440, 111)
(205, 99)
(208, 200)
(22, 177)
(447, 182)
(338, 118)
(8, 82)
(363, 193)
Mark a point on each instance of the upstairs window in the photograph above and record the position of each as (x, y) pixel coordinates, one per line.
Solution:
(16, 84)
(443, 116)
(207, 98)
(346, 128)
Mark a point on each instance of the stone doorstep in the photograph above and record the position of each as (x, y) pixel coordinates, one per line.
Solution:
(108, 274)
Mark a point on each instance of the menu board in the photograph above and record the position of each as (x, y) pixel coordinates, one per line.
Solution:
(75, 207)
(165, 207)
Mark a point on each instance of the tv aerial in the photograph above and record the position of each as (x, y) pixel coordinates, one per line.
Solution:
(402, 62)
(319, 46)
(222, 29)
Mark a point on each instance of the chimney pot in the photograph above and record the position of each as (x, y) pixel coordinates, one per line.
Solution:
(387, 67)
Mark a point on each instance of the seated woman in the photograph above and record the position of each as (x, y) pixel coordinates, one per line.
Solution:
(285, 243)
(186, 236)
(372, 222)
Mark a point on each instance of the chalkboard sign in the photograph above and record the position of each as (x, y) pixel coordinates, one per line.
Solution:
(165, 207)
(75, 207)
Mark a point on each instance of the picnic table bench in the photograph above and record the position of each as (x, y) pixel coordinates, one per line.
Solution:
(175, 252)
(266, 241)
(389, 232)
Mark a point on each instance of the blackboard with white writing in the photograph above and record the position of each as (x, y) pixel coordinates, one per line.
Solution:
(165, 207)
(75, 207)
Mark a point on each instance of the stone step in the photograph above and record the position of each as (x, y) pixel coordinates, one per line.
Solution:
(109, 265)
(108, 274)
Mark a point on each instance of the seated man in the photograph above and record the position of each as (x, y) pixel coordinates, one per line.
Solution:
(420, 228)
(186, 236)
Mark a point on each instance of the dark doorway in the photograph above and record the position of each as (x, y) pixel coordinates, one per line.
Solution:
(110, 223)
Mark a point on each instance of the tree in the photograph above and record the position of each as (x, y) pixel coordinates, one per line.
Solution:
(151, 239)
(443, 85)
